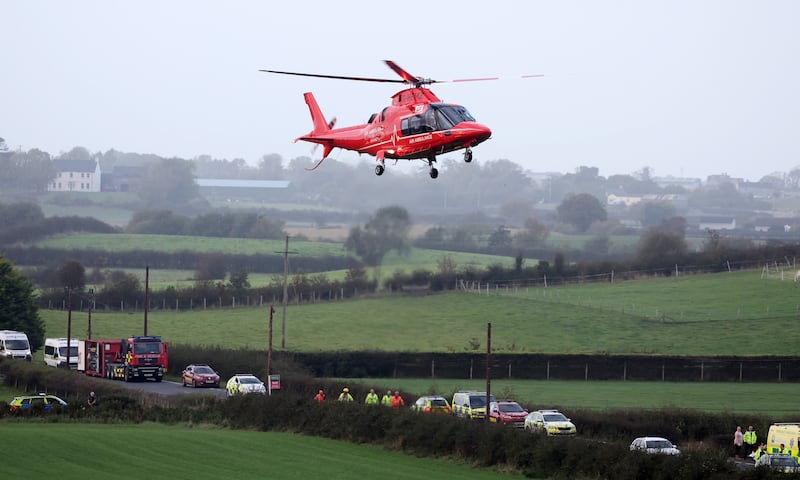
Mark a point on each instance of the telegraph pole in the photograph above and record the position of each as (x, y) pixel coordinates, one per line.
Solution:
(69, 323)
(488, 367)
(91, 305)
(269, 345)
(146, 295)
(285, 253)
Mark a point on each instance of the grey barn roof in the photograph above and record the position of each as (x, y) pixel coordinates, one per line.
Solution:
(73, 165)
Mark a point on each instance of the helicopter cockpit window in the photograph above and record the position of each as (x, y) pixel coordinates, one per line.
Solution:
(372, 117)
(455, 114)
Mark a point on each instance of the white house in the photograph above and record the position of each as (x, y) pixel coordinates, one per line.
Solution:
(75, 176)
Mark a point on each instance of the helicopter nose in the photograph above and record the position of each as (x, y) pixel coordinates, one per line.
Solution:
(476, 132)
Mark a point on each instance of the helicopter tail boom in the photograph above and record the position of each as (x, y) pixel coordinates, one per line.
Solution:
(320, 124)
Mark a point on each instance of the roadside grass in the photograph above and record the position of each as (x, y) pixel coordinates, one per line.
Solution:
(79, 451)
(778, 400)
(719, 314)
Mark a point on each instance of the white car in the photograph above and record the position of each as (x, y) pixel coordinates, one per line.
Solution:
(244, 383)
(656, 445)
(551, 422)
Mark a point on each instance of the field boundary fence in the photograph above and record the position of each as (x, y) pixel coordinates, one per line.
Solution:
(552, 367)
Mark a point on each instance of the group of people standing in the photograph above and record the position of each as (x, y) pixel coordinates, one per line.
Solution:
(388, 400)
(744, 443)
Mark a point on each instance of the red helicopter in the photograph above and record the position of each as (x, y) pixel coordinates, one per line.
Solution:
(416, 126)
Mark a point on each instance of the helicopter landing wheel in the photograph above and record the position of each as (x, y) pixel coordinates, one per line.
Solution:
(468, 155)
(379, 170)
(434, 173)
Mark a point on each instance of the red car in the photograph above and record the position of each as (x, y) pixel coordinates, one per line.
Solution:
(507, 413)
(200, 376)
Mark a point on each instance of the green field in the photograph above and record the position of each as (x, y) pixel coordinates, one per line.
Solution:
(418, 257)
(720, 314)
(80, 451)
(775, 399)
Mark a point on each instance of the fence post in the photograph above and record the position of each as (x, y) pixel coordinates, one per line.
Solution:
(740, 372)
(624, 370)
(586, 372)
(702, 364)
(433, 362)
(662, 370)
(509, 370)
(470, 367)
(548, 369)
(779, 371)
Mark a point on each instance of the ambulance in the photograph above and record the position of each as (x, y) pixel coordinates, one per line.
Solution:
(787, 434)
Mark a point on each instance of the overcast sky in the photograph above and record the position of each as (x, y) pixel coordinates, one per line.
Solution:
(686, 87)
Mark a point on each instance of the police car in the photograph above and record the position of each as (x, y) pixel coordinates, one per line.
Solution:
(551, 422)
(42, 401)
(244, 383)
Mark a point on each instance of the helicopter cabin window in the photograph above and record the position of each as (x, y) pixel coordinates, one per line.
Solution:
(372, 117)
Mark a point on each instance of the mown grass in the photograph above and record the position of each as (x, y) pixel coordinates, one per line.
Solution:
(79, 451)
(722, 314)
(772, 399)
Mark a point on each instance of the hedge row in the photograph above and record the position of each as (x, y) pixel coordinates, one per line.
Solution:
(600, 451)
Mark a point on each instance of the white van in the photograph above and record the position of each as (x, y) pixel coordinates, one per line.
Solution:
(14, 345)
(55, 352)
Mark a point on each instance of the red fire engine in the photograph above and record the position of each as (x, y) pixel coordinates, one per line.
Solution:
(128, 359)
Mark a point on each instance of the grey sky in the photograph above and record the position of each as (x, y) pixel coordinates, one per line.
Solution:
(686, 87)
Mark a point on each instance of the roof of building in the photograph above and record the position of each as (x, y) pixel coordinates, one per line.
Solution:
(74, 165)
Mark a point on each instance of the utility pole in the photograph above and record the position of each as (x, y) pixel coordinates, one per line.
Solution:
(488, 367)
(69, 323)
(91, 305)
(269, 344)
(146, 295)
(286, 253)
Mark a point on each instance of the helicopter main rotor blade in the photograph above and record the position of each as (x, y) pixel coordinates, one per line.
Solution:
(336, 77)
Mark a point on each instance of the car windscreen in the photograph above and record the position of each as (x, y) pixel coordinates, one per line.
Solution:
(555, 417)
(479, 401)
(73, 351)
(510, 408)
(438, 402)
(784, 461)
(17, 344)
(249, 380)
(204, 370)
(658, 444)
(141, 348)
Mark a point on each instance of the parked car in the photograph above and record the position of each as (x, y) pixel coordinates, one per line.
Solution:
(551, 422)
(655, 445)
(244, 383)
(471, 404)
(782, 462)
(431, 404)
(507, 412)
(43, 401)
(198, 375)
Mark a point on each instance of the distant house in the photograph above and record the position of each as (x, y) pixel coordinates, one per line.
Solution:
(76, 176)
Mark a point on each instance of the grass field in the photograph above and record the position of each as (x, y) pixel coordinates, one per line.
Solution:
(720, 314)
(245, 246)
(80, 451)
(776, 399)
